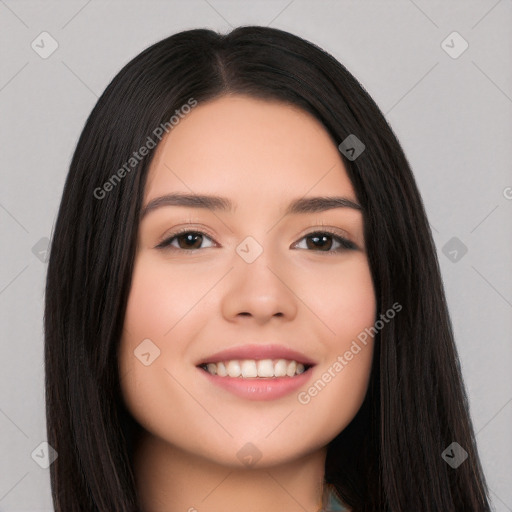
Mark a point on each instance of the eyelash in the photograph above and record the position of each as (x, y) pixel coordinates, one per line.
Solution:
(344, 243)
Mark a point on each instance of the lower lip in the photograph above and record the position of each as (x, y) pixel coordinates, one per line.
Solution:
(260, 388)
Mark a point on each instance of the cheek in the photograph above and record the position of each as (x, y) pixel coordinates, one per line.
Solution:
(344, 299)
(347, 306)
(357, 301)
(163, 297)
(157, 298)
(156, 303)
(156, 312)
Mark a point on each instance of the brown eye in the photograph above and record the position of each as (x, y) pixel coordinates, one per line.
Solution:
(319, 242)
(190, 240)
(323, 241)
(187, 240)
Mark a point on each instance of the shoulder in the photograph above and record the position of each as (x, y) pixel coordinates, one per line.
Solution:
(334, 505)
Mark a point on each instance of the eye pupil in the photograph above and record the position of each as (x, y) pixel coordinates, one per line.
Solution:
(191, 237)
(322, 238)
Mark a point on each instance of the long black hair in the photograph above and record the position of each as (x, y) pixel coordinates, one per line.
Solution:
(389, 458)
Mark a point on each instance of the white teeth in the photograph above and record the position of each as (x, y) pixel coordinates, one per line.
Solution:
(233, 368)
(290, 371)
(250, 368)
(280, 368)
(265, 368)
(221, 369)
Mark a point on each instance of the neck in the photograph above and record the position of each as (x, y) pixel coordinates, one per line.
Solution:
(169, 479)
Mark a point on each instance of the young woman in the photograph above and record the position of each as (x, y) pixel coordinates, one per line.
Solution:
(244, 308)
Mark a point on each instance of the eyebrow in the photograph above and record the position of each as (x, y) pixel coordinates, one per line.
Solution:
(217, 203)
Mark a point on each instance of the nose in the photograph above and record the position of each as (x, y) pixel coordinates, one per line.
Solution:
(260, 291)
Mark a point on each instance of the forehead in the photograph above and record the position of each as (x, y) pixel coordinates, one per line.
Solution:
(244, 147)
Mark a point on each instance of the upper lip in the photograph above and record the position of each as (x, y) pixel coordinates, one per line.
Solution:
(253, 351)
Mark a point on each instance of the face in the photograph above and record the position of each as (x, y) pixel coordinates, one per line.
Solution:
(253, 276)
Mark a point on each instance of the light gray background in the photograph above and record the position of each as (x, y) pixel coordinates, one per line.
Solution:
(452, 116)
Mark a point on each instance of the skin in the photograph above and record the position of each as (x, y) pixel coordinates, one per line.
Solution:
(261, 155)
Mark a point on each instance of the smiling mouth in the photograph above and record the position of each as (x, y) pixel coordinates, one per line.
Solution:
(254, 368)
